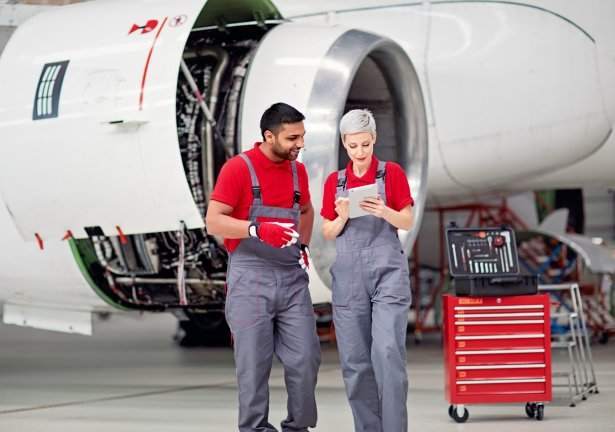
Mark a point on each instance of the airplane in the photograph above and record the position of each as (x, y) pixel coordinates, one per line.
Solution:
(116, 116)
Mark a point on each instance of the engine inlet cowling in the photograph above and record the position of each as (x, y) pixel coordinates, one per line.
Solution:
(339, 70)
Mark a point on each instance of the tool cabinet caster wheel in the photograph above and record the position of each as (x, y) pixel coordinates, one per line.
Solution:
(460, 419)
(450, 411)
(530, 409)
(540, 412)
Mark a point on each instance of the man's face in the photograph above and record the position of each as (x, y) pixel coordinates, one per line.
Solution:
(288, 142)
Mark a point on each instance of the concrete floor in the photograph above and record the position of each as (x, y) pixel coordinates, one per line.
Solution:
(131, 377)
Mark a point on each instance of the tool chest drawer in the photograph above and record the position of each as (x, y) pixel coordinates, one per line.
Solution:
(503, 356)
(515, 341)
(521, 371)
(492, 328)
(501, 386)
(497, 349)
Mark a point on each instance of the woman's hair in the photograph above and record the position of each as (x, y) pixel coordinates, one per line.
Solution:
(357, 121)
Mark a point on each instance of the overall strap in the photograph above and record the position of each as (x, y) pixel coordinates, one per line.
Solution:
(341, 180)
(256, 189)
(296, 194)
(380, 177)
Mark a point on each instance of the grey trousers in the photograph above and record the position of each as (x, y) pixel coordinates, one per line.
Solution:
(371, 300)
(270, 312)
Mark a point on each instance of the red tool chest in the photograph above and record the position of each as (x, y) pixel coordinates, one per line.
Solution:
(497, 350)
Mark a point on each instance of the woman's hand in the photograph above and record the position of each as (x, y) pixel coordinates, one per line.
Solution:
(332, 228)
(374, 206)
(342, 208)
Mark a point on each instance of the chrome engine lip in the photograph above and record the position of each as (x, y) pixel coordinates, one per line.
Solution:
(326, 105)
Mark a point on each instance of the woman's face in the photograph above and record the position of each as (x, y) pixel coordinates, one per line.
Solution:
(360, 147)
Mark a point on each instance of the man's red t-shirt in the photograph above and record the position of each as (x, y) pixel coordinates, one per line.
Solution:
(234, 186)
(396, 184)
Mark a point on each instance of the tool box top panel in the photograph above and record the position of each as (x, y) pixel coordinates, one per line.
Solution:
(481, 252)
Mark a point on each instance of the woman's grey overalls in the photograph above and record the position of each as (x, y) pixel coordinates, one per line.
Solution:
(269, 310)
(371, 299)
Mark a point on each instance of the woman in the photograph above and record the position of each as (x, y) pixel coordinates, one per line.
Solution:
(371, 283)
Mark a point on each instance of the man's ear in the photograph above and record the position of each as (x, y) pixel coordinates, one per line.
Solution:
(269, 137)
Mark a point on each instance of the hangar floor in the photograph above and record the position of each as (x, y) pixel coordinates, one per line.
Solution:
(131, 377)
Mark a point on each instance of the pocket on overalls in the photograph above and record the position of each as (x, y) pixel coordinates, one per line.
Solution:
(396, 281)
(303, 293)
(242, 308)
(343, 280)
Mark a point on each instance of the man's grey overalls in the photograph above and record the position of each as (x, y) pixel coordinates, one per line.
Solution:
(371, 299)
(269, 310)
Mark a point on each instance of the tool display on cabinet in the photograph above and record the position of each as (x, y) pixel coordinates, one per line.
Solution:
(484, 262)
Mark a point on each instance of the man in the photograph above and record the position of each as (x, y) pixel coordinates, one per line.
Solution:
(371, 282)
(261, 206)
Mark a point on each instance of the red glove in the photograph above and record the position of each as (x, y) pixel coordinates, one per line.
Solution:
(304, 260)
(277, 234)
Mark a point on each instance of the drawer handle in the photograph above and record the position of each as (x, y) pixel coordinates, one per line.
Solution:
(512, 366)
(513, 336)
(534, 306)
(507, 381)
(500, 322)
(512, 351)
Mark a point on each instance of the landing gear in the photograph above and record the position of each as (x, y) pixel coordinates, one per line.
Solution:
(203, 329)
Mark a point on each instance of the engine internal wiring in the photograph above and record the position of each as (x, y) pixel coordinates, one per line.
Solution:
(186, 268)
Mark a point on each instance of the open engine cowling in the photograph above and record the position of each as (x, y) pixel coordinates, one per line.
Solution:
(113, 131)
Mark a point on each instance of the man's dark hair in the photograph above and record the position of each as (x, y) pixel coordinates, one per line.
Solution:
(276, 115)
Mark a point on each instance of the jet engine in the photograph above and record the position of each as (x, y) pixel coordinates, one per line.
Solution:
(114, 129)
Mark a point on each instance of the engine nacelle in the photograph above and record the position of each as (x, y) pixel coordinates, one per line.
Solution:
(338, 70)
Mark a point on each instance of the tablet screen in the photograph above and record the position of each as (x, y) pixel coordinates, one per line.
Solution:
(356, 195)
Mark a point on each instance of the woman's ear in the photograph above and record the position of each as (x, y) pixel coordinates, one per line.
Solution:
(374, 137)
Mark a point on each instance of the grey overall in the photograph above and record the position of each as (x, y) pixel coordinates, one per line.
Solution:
(371, 299)
(269, 310)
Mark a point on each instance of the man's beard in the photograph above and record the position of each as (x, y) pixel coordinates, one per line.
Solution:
(281, 152)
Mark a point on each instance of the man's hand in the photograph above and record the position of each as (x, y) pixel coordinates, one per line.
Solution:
(276, 234)
(304, 259)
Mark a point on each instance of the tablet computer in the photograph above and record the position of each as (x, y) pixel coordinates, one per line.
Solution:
(356, 195)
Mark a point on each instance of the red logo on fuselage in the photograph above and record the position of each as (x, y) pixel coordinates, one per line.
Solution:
(148, 27)
(178, 20)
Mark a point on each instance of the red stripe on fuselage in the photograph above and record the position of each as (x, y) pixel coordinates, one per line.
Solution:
(149, 56)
